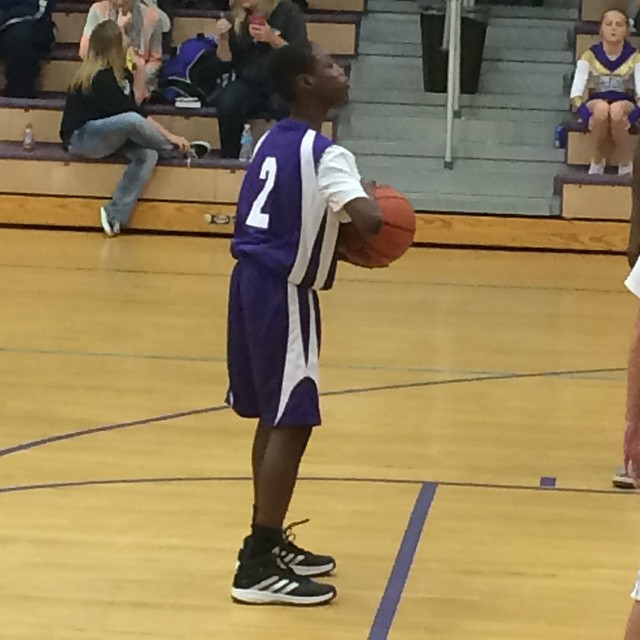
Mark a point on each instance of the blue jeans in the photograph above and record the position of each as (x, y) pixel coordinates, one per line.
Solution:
(130, 135)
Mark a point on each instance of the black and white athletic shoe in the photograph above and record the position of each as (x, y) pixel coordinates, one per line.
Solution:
(267, 580)
(299, 560)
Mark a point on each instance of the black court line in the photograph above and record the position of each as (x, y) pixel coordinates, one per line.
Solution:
(401, 283)
(77, 484)
(32, 444)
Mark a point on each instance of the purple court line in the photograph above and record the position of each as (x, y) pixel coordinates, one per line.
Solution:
(548, 482)
(404, 559)
(108, 427)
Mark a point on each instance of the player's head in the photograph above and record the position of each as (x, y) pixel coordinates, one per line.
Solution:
(302, 75)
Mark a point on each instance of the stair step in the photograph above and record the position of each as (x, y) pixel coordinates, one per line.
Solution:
(398, 49)
(357, 110)
(417, 97)
(498, 205)
(533, 23)
(543, 13)
(471, 177)
(551, 38)
(396, 6)
(462, 149)
(390, 28)
(504, 54)
(379, 128)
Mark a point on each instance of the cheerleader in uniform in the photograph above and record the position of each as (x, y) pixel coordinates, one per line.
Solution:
(605, 91)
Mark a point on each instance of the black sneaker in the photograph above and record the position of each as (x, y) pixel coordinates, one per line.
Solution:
(266, 580)
(301, 561)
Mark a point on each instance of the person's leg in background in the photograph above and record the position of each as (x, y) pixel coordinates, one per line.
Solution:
(22, 47)
(169, 7)
(599, 128)
(132, 136)
(132, 183)
(100, 138)
(274, 108)
(619, 114)
(236, 103)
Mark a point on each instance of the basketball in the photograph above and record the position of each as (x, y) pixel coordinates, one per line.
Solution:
(393, 239)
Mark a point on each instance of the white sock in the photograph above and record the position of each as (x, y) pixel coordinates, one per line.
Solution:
(625, 169)
(597, 168)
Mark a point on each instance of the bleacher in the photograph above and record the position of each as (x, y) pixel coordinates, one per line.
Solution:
(606, 197)
(48, 187)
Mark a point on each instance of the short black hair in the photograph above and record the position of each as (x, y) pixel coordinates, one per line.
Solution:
(286, 64)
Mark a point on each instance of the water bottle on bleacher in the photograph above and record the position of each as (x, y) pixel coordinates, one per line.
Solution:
(28, 139)
(246, 144)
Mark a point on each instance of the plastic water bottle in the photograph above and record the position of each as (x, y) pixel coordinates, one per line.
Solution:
(28, 139)
(246, 144)
(560, 137)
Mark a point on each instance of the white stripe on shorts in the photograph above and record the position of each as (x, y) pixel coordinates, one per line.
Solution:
(296, 366)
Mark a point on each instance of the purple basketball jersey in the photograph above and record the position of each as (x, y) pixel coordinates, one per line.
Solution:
(281, 220)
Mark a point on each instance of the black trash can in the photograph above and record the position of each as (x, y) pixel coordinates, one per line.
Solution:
(435, 60)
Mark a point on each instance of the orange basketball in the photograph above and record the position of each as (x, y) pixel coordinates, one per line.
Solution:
(394, 238)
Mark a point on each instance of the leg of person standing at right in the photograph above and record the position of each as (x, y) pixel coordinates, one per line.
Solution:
(633, 622)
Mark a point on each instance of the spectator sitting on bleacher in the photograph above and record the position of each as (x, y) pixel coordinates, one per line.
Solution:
(26, 36)
(246, 37)
(101, 117)
(142, 24)
(605, 92)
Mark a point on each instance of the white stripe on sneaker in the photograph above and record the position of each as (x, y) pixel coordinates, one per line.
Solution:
(291, 587)
(265, 583)
(283, 583)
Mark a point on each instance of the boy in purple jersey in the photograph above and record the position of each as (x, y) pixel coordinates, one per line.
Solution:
(297, 191)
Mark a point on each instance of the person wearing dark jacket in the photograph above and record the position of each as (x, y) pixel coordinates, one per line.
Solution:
(246, 39)
(26, 37)
(101, 117)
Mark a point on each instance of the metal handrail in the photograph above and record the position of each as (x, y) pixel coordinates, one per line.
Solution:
(451, 43)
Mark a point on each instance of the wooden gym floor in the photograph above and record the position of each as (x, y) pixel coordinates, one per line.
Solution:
(455, 382)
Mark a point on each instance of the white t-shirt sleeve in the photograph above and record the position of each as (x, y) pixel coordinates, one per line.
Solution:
(339, 179)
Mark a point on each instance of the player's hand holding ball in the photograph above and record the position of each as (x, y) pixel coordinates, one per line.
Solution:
(391, 242)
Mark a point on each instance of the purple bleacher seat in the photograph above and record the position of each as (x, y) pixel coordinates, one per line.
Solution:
(55, 153)
(579, 175)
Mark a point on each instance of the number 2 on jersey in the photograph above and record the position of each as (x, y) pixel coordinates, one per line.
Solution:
(257, 217)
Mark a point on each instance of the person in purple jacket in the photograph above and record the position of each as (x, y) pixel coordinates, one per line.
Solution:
(299, 188)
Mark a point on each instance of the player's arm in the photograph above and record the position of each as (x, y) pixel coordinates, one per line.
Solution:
(342, 187)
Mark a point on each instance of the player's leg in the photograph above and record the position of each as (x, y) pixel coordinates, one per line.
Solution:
(275, 480)
(258, 449)
(286, 422)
